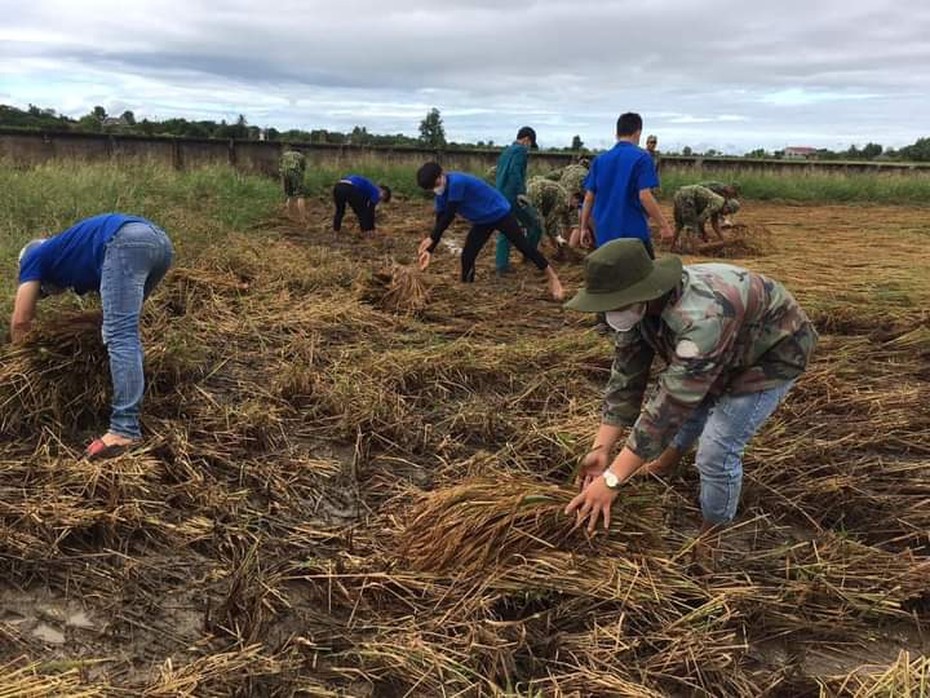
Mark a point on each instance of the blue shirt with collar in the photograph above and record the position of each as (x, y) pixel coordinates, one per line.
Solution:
(74, 258)
(616, 178)
(476, 200)
(366, 186)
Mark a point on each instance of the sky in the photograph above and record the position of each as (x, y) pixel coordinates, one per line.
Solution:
(719, 74)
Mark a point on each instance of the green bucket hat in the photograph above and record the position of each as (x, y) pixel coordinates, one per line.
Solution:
(621, 273)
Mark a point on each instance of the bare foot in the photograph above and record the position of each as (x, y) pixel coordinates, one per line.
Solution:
(111, 439)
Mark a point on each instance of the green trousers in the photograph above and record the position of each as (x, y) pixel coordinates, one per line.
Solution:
(528, 218)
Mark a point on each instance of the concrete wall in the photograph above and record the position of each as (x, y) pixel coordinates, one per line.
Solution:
(28, 148)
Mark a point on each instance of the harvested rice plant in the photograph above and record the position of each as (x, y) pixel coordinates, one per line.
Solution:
(354, 473)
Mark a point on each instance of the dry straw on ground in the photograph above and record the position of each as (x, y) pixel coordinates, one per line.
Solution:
(338, 497)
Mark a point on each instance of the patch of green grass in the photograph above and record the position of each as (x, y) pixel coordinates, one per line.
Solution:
(194, 208)
(813, 187)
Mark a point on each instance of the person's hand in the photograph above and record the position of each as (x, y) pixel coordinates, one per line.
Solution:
(593, 503)
(666, 232)
(424, 246)
(593, 464)
(587, 240)
(523, 200)
(423, 260)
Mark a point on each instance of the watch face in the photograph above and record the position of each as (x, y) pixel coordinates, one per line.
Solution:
(611, 479)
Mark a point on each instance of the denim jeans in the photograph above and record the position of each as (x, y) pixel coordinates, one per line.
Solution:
(135, 260)
(723, 426)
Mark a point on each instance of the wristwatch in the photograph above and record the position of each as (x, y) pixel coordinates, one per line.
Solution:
(612, 481)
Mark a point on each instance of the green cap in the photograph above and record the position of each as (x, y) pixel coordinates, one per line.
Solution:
(621, 273)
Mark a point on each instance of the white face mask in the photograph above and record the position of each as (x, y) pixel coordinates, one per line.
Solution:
(625, 319)
(438, 191)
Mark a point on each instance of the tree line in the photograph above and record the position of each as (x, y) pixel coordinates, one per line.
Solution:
(431, 133)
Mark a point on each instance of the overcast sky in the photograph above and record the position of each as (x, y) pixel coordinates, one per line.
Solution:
(716, 73)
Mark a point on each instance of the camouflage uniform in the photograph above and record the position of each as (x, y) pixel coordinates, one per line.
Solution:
(552, 201)
(724, 331)
(573, 178)
(292, 168)
(694, 204)
(718, 188)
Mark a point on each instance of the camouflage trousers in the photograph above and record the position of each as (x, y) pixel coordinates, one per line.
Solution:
(686, 213)
(293, 183)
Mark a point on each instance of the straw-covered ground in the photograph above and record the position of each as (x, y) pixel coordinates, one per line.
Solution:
(354, 477)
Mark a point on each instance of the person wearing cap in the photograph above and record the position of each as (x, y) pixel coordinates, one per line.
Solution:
(363, 196)
(619, 190)
(694, 205)
(510, 180)
(122, 258)
(486, 209)
(732, 343)
(292, 167)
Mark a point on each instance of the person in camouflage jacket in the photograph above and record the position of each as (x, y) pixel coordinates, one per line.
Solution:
(573, 176)
(553, 203)
(733, 342)
(292, 167)
(694, 205)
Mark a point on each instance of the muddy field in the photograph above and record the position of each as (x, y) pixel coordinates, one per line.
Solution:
(336, 498)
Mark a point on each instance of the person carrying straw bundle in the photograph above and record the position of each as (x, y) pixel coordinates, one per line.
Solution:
(733, 342)
(123, 258)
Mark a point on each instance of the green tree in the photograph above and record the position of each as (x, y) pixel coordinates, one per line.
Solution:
(432, 132)
(577, 143)
(871, 151)
(686, 150)
(128, 118)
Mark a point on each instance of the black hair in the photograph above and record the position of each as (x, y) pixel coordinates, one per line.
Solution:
(428, 174)
(527, 132)
(385, 192)
(629, 123)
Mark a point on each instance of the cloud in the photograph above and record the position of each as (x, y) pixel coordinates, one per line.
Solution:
(717, 72)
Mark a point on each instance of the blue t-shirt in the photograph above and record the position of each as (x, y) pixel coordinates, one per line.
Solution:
(478, 201)
(73, 259)
(616, 179)
(366, 186)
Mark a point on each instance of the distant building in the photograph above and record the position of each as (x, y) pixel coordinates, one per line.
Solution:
(797, 152)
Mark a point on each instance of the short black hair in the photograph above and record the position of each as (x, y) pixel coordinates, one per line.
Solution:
(428, 174)
(385, 192)
(527, 132)
(629, 123)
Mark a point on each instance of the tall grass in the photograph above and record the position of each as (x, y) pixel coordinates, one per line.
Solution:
(193, 207)
(813, 187)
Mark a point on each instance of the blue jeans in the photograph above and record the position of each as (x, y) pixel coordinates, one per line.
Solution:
(135, 260)
(724, 426)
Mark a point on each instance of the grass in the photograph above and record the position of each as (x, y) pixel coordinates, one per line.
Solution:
(205, 204)
(804, 187)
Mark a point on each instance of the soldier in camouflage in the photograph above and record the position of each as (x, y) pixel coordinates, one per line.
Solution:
(572, 177)
(553, 203)
(727, 191)
(292, 167)
(694, 205)
(732, 341)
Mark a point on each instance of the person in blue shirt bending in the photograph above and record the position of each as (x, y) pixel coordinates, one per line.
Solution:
(486, 209)
(122, 258)
(363, 196)
(619, 190)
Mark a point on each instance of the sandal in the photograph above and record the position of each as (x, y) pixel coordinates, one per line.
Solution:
(99, 450)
